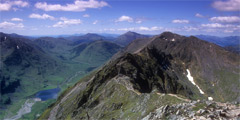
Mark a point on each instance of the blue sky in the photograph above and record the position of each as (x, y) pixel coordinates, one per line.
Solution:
(56, 17)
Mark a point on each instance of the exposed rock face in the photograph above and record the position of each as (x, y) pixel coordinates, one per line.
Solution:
(196, 110)
(151, 73)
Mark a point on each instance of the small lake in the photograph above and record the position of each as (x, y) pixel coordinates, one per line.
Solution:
(48, 94)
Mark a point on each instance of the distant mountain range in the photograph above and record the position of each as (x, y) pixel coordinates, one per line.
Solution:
(143, 66)
(221, 41)
(149, 75)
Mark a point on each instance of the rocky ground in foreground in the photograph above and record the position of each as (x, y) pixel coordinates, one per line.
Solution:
(197, 110)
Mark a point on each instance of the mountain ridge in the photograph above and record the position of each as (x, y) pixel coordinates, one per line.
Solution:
(139, 80)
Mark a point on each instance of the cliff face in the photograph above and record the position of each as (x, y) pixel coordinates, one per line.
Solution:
(150, 73)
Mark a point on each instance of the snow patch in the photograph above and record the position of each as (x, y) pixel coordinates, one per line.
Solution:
(210, 98)
(5, 38)
(190, 78)
(17, 47)
(173, 40)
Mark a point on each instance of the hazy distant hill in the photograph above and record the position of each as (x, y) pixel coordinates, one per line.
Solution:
(128, 37)
(221, 41)
(86, 38)
(96, 52)
(233, 48)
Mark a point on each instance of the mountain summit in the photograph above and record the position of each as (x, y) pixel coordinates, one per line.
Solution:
(148, 74)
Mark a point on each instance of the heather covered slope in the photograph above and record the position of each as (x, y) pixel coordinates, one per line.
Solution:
(150, 73)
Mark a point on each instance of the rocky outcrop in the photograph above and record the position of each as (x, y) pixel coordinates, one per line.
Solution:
(197, 110)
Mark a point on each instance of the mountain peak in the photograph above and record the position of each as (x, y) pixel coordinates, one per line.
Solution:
(131, 33)
(128, 37)
(91, 34)
(168, 34)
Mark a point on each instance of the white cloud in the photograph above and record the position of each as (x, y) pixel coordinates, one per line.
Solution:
(9, 4)
(16, 19)
(138, 21)
(155, 28)
(217, 27)
(9, 25)
(213, 25)
(199, 15)
(86, 15)
(228, 31)
(78, 5)
(124, 18)
(95, 22)
(224, 28)
(126, 29)
(5, 6)
(226, 19)
(180, 21)
(108, 29)
(190, 28)
(66, 22)
(228, 5)
(43, 16)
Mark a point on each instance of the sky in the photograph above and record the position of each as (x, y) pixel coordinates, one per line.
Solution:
(66, 17)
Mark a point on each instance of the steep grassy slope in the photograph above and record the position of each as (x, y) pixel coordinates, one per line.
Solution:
(148, 74)
(24, 64)
(30, 66)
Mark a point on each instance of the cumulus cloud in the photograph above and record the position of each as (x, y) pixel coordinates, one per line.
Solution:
(199, 15)
(9, 25)
(124, 18)
(142, 28)
(126, 29)
(180, 21)
(67, 22)
(138, 21)
(43, 16)
(229, 5)
(78, 5)
(217, 27)
(86, 15)
(155, 28)
(6, 6)
(212, 25)
(95, 22)
(226, 19)
(16, 19)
